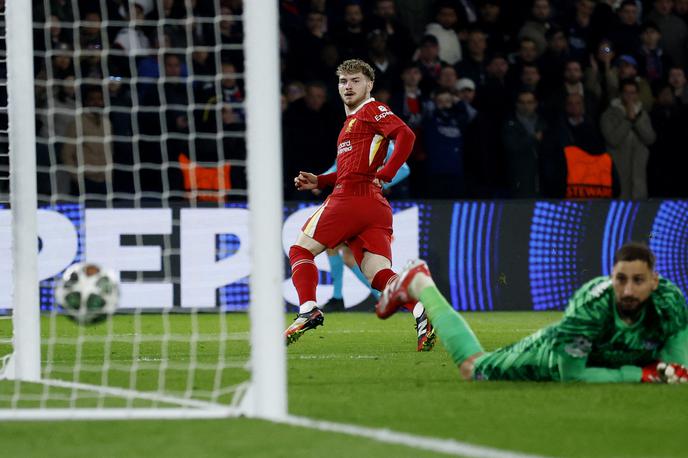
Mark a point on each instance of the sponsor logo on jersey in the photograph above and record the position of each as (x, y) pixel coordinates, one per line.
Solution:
(383, 115)
(344, 147)
(381, 108)
(351, 124)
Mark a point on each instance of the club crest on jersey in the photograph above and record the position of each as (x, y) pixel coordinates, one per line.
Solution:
(351, 124)
(579, 348)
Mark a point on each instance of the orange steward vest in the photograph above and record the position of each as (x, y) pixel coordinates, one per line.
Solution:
(587, 175)
(208, 184)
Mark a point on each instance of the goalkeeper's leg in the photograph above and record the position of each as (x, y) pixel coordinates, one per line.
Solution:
(415, 282)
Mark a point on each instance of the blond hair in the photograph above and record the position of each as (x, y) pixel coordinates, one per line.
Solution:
(351, 66)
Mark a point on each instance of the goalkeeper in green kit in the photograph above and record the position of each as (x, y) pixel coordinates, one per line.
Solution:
(629, 327)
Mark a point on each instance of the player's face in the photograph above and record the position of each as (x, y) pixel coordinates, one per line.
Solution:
(354, 89)
(633, 282)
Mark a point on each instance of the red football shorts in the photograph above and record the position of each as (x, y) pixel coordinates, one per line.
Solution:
(363, 223)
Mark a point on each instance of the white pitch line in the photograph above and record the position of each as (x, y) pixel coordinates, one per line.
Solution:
(447, 446)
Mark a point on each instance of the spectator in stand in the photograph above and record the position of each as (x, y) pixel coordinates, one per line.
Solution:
(54, 115)
(131, 39)
(408, 104)
(231, 33)
(62, 64)
(89, 162)
(383, 62)
(447, 81)
(429, 62)
(63, 10)
(674, 30)
(466, 91)
(679, 87)
(628, 132)
(62, 108)
(472, 65)
(522, 136)
(653, 62)
(399, 39)
(554, 59)
(580, 31)
(575, 156)
(58, 35)
(668, 162)
(310, 129)
(681, 10)
(599, 72)
(491, 23)
(89, 32)
(573, 84)
(121, 119)
(170, 100)
(627, 68)
(231, 90)
(445, 29)
(201, 32)
(91, 61)
(526, 54)
(203, 64)
(350, 36)
(444, 126)
(306, 45)
(493, 97)
(530, 80)
(538, 24)
(625, 32)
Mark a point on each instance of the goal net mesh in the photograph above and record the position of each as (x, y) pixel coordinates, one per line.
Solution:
(140, 133)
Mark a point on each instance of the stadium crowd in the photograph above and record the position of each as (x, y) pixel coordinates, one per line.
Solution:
(508, 99)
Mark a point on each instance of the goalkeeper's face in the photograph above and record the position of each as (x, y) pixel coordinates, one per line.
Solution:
(354, 89)
(633, 282)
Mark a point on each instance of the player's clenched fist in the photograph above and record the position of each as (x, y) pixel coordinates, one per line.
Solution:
(306, 181)
(661, 372)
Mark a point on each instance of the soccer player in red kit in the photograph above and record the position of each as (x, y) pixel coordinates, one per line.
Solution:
(355, 213)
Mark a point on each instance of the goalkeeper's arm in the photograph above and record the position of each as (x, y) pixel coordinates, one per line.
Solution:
(574, 369)
(671, 367)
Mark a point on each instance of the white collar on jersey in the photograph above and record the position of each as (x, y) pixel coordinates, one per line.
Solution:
(372, 99)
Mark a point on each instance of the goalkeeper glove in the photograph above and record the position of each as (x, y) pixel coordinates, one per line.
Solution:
(661, 372)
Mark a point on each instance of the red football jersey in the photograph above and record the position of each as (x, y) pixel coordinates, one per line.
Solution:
(362, 144)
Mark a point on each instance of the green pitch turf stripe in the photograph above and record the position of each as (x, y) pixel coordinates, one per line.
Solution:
(448, 446)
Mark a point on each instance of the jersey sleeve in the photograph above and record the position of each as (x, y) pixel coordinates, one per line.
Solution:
(573, 369)
(403, 172)
(382, 119)
(675, 349)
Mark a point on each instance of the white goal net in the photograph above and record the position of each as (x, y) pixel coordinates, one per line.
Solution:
(150, 120)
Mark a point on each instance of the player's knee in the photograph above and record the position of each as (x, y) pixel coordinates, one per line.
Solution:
(297, 252)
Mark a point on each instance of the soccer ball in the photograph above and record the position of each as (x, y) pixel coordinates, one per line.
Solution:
(87, 293)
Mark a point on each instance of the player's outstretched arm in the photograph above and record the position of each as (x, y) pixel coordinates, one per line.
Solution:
(573, 369)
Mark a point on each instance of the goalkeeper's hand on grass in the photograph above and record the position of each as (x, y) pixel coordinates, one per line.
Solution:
(660, 372)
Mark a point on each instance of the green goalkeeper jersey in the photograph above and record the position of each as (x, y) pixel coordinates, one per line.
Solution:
(592, 343)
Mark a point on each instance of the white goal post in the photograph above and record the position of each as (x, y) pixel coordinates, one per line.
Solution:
(35, 353)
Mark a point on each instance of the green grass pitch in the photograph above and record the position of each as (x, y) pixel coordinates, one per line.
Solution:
(360, 370)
